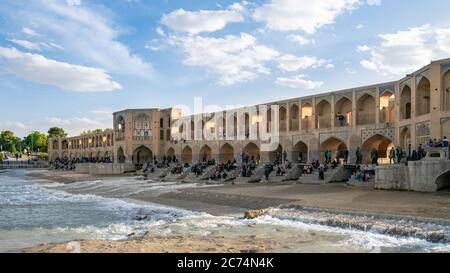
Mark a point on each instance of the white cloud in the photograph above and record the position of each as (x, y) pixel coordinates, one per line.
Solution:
(363, 48)
(202, 21)
(98, 119)
(29, 31)
(73, 2)
(405, 51)
(300, 39)
(373, 2)
(39, 69)
(233, 58)
(304, 15)
(298, 82)
(359, 26)
(88, 34)
(294, 63)
(26, 44)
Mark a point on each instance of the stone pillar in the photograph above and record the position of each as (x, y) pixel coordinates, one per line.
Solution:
(354, 107)
(377, 108)
(397, 114)
(413, 112)
(435, 102)
(333, 114)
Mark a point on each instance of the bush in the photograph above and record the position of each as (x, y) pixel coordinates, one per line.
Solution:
(1, 156)
(43, 156)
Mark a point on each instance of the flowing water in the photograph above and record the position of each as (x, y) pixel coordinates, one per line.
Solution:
(36, 211)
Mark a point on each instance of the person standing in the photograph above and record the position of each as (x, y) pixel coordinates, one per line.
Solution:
(346, 154)
(392, 156)
(398, 154)
(445, 144)
(358, 156)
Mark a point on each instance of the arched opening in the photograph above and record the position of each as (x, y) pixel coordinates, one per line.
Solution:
(276, 155)
(106, 154)
(423, 97)
(381, 144)
(170, 152)
(300, 152)
(65, 145)
(269, 120)
(443, 181)
(247, 125)
(294, 118)
(343, 108)
(365, 110)
(55, 145)
(251, 149)
(192, 130)
(405, 140)
(323, 115)
(332, 144)
(446, 91)
(120, 155)
(120, 128)
(387, 107)
(142, 154)
(226, 153)
(205, 153)
(405, 103)
(283, 116)
(307, 116)
(186, 155)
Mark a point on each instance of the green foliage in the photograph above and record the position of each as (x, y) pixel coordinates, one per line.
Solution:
(1, 156)
(90, 132)
(36, 141)
(43, 156)
(8, 140)
(13, 149)
(56, 132)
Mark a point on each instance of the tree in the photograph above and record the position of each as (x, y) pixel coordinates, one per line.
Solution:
(13, 149)
(56, 132)
(36, 141)
(8, 140)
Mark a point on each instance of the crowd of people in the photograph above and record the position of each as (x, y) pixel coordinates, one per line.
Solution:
(68, 164)
(220, 171)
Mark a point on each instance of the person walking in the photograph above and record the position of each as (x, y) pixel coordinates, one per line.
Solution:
(374, 156)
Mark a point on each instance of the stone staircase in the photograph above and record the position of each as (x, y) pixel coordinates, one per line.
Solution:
(313, 178)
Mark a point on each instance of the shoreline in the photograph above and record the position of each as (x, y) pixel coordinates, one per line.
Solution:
(227, 200)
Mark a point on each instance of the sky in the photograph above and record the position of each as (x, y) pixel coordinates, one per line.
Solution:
(71, 63)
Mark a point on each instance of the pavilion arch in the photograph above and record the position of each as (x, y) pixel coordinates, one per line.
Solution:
(298, 148)
(323, 114)
(120, 127)
(387, 107)
(344, 107)
(423, 97)
(405, 139)
(205, 153)
(226, 153)
(405, 103)
(55, 144)
(283, 119)
(366, 108)
(120, 155)
(142, 154)
(380, 143)
(247, 125)
(106, 154)
(446, 91)
(170, 152)
(186, 155)
(332, 144)
(252, 149)
(294, 118)
(64, 154)
(443, 181)
(65, 145)
(307, 110)
(276, 154)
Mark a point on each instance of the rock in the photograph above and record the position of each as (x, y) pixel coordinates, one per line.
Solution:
(140, 217)
(251, 214)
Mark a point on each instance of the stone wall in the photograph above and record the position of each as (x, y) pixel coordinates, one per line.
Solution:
(417, 176)
(104, 169)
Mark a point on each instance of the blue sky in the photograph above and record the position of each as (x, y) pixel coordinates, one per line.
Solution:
(71, 63)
